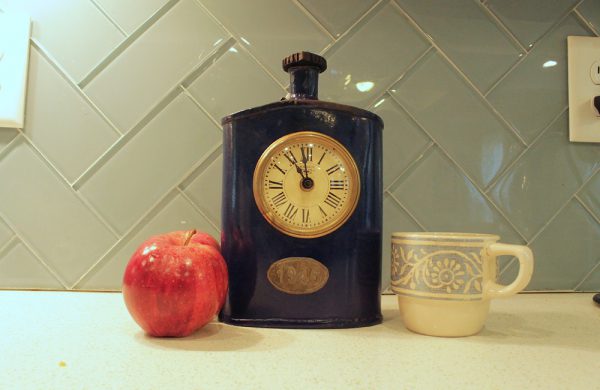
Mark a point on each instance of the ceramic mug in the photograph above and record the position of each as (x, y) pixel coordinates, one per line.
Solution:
(444, 281)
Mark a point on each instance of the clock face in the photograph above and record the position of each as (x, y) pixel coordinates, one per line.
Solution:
(306, 184)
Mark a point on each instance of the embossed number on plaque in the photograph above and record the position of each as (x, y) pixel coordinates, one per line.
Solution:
(298, 275)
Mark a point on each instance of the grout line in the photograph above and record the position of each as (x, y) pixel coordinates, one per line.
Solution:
(354, 26)
(507, 266)
(587, 23)
(560, 209)
(187, 93)
(549, 125)
(463, 172)
(128, 41)
(195, 207)
(556, 23)
(215, 55)
(65, 181)
(539, 39)
(422, 154)
(533, 142)
(536, 43)
(206, 159)
(97, 214)
(500, 24)
(169, 96)
(8, 245)
(587, 208)
(124, 139)
(168, 196)
(432, 42)
(110, 18)
(402, 75)
(412, 66)
(549, 221)
(212, 156)
(506, 74)
(586, 277)
(263, 67)
(43, 263)
(498, 115)
(99, 162)
(149, 214)
(461, 73)
(505, 171)
(44, 159)
(52, 61)
(10, 146)
(314, 19)
(243, 47)
(32, 251)
(388, 91)
(406, 210)
(62, 73)
(163, 102)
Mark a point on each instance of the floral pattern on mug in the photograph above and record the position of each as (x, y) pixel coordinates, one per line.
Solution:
(443, 270)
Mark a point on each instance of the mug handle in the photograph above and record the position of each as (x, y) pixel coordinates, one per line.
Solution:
(525, 257)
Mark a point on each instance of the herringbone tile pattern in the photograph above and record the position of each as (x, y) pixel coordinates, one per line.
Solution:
(122, 137)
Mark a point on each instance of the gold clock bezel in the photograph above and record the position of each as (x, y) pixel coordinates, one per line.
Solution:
(332, 145)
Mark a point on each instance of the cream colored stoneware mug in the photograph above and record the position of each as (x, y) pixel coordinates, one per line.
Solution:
(444, 281)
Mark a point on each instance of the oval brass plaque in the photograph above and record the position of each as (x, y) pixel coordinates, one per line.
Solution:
(298, 275)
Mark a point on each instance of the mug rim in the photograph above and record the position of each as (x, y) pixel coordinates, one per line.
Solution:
(446, 236)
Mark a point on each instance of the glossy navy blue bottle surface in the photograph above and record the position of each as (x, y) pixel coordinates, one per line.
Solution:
(250, 245)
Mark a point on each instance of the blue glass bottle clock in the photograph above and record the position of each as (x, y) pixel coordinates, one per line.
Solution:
(301, 210)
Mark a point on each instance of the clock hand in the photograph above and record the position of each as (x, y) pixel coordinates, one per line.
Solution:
(307, 183)
(305, 170)
(291, 158)
(304, 160)
(299, 170)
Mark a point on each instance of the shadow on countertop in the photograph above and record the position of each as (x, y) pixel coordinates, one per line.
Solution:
(220, 337)
(574, 329)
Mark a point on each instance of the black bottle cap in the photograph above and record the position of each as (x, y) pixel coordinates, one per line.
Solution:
(305, 58)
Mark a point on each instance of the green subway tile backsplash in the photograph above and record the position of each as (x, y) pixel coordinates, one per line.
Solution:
(473, 95)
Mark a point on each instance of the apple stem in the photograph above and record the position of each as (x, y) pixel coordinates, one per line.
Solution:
(188, 236)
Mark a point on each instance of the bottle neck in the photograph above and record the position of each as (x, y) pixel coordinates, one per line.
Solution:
(304, 82)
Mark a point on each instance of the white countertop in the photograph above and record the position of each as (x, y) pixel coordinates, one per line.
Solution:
(69, 340)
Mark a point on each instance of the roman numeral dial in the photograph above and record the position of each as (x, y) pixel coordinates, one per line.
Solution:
(306, 184)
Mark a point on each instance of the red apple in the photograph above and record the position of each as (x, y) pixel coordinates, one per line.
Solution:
(207, 239)
(175, 283)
